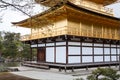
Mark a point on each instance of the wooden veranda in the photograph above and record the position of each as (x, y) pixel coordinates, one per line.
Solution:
(66, 67)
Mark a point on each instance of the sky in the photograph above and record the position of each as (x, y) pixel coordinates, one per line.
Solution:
(116, 9)
(12, 16)
(9, 16)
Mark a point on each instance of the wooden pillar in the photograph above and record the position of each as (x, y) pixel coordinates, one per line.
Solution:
(72, 69)
(110, 54)
(119, 62)
(103, 52)
(60, 69)
(31, 54)
(45, 51)
(86, 67)
(116, 53)
(93, 51)
(65, 69)
(81, 51)
(119, 55)
(37, 52)
(55, 52)
(66, 51)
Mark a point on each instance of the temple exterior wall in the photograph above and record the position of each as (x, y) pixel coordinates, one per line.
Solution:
(80, 51)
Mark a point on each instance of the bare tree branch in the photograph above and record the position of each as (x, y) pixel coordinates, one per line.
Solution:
(18, 7)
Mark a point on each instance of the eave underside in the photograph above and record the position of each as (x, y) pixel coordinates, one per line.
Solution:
(61, 38)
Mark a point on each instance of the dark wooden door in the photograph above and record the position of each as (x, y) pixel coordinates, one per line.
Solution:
(41, 55)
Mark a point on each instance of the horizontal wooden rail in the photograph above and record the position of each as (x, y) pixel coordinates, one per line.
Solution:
(45, 33)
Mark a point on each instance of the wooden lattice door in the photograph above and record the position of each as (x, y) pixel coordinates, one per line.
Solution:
(41, 55)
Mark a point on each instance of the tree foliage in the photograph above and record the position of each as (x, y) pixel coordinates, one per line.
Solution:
(1, 39)
(11, 43)
(25, 53)
(103, 74)
(11, 47)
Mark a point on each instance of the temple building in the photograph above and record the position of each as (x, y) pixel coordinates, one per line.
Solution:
(74, 34)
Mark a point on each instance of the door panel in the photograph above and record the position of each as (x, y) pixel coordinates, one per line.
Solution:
(41, 55)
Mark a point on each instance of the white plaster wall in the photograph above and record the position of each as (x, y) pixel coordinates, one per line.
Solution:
(74, 59)
(50, 54)
(61, 54)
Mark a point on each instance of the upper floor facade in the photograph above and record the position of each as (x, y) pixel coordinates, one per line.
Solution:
(71, 20)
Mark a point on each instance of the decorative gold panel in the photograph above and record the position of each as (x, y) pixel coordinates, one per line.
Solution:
(94, 30)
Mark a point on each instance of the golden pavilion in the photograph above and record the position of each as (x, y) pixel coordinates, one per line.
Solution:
(73, 34)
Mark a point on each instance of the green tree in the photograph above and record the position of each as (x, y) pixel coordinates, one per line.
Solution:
(1, 45)
(12, 48)
(25, 54)
(11, 44)
(106, 73)
(103, 74)
(1, 42)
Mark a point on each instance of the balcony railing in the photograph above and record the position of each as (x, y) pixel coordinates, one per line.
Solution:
(87, 33)
(25, 37)
(44, 34)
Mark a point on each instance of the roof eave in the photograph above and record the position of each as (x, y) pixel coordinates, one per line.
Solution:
(68, 4)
